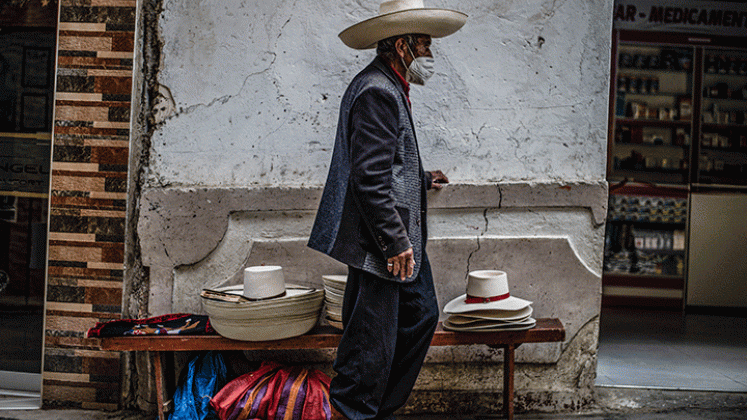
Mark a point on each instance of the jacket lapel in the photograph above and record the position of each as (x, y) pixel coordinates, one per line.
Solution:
(388, 72)
(379, 64)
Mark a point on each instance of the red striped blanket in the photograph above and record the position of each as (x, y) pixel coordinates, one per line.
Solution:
(275, 392)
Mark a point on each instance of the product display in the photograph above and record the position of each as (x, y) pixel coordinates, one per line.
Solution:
(666, 59)
(643, 263)
(723, 64)
(631, 208)
(645, 235)
(653, 128)
(678, 127)
(723, 139)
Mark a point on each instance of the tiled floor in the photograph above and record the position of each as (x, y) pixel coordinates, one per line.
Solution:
(662, 349)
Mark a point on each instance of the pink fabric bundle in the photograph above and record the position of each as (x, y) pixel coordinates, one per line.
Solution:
(275, 392)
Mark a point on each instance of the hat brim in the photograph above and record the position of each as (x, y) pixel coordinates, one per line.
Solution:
(298, 299)
(498, 314)
(278, 329)
(469, 318)
(437, 23)
(523, 325)
(459, 305)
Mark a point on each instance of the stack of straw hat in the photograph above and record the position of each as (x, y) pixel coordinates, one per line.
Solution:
(264, 307)
(488, 306)
(334, 291)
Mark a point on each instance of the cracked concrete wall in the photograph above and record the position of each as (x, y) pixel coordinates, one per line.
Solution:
(242, 105)
(253, 87)
(547, 237)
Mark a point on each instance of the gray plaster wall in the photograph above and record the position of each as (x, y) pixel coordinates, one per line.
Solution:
(239, 104)
(250, 89)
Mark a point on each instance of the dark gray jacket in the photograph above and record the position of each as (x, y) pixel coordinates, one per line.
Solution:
(373, 206)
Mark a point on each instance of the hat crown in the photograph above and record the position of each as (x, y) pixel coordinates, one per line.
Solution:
(399, 5)
(487, 283)
(264, 281)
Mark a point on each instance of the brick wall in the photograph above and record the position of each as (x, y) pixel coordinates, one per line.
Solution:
(87, 203)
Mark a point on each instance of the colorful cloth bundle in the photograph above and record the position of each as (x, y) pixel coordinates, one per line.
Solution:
(171, 324)
(275, 392)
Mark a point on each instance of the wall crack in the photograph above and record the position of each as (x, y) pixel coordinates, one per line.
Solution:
(484, 231)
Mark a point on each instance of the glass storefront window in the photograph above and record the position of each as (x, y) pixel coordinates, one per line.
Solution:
(26, 104)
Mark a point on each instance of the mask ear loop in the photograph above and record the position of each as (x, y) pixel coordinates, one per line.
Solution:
(410, 49)
(407, 43)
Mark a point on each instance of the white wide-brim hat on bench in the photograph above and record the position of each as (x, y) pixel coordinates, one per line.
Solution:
(486, 290)
(400, 17)
(263, 308)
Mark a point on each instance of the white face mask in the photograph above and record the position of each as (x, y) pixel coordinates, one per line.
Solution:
(420, 69)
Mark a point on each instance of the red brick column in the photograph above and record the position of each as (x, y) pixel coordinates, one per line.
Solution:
(88, 199)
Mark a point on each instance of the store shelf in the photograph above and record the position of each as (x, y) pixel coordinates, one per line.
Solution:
(654, 291)
(653, 146)
(737, 152)
(652, 224)
(659, 281)
(641, 122)
(720, 180)
(738, 101)
(652, 94)
(651, 70)
(708, 75)
(656, 177)
(713, 126)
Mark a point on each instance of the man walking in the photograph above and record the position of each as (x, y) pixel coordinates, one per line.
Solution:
(372, 215)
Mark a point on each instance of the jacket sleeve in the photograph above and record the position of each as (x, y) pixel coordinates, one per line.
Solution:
(428, 180)
(373, 136)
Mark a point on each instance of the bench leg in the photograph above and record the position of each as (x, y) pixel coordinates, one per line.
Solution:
(508, 381)
(158, 375)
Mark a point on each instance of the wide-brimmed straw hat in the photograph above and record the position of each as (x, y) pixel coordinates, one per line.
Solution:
(400, 17)
(264, 307)
(486, 290)
(294, 313)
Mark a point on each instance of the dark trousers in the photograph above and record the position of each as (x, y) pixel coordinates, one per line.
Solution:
(388, 329)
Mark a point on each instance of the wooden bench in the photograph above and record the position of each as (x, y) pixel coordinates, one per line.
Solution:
(546, 330)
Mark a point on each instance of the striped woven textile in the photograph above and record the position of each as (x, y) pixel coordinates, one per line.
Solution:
(275, 392)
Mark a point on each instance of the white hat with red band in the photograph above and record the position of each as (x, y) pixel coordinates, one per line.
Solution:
(486, 290)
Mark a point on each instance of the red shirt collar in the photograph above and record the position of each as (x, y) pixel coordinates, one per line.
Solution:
(405, 83)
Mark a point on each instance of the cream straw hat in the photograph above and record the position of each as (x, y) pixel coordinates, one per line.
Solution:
(400, 17)
(486, 290)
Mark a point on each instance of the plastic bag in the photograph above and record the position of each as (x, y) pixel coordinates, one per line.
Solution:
(205, 376)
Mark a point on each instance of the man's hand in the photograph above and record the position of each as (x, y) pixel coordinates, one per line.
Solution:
(438, 179)
(402, 265)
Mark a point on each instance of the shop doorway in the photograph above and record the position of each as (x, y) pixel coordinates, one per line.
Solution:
(674, 284)
(27, 74)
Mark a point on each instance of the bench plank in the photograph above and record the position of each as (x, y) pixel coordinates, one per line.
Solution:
(547, 330)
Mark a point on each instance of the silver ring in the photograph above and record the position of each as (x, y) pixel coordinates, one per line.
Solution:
(389, 264)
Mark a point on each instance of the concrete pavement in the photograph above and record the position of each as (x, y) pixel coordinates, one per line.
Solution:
(611, 404)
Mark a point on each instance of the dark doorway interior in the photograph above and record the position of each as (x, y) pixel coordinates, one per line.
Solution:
(27, 75)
